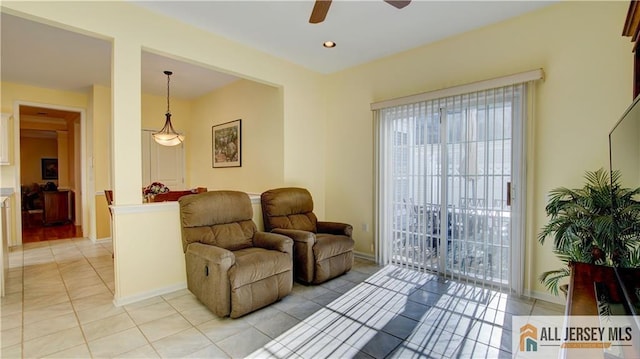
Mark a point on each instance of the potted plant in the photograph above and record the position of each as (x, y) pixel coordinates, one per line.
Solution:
(598, 223)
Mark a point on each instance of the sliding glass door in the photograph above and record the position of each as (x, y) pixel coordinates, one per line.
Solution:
(446, 173)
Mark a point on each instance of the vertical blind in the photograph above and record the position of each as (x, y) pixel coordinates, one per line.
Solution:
(444, 166)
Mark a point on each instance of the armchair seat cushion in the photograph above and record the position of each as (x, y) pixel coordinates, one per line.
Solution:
(330, 245)
(255, 264)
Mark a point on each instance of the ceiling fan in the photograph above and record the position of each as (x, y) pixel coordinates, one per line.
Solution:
(321, 8)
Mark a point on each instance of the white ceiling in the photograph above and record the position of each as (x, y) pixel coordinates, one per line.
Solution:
(363, 30)
(49, 57)
(45, 56)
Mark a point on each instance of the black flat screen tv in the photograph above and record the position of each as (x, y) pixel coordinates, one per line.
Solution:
(624, 146)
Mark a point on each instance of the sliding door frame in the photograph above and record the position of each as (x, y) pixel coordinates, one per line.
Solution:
(518, 189)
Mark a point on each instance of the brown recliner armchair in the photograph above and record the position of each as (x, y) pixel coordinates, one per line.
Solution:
(231, 267)
(321, 250)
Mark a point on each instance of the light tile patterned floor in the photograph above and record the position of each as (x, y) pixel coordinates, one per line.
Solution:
(59, 305)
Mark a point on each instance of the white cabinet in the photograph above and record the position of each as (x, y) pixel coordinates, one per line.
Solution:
(5, 139)
(164, 164)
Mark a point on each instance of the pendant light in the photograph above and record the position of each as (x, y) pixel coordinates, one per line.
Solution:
(168, 136)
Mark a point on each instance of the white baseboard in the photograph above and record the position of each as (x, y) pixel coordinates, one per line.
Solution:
(98, 240)
(118, 302)
(546, 296)
(365, 256)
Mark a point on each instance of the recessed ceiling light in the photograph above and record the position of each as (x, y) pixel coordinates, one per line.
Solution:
(329, 44)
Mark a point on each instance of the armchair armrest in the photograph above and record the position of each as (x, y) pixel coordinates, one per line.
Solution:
(297, 235)
(335, 228)
(212, 254)
(273, 241)
(207, 275)
(303, 258)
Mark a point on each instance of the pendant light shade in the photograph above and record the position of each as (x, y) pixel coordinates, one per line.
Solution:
(168, 136)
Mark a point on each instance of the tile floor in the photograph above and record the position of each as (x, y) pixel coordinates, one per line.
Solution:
(59, 305)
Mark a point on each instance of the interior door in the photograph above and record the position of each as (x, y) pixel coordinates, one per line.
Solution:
(163, 164)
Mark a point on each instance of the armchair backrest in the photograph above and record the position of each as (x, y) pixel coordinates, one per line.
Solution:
(219, 218)
(288, 208)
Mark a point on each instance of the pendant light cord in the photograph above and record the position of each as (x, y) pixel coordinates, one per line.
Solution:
(168, 79)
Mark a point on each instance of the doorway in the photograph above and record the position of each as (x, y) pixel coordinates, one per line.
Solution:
(48, 143)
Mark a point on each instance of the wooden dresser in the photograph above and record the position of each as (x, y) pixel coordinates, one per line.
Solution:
(594, 289)
(621, 286)
(58, 207)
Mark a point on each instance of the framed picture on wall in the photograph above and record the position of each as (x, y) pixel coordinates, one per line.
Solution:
(227, 144)
(49, 168)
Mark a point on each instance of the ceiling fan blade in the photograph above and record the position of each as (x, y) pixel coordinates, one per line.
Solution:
(320, 10)
(399, 4)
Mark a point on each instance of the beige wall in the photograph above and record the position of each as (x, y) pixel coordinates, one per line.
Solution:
(327, 133)
(588, 67)
(32, 151)
(133, 30)
(154, 108)
(100, 132)
(103, 218)
(98, 155)
(260, 108)
(155, 260)
(63, 159)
